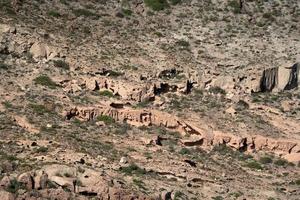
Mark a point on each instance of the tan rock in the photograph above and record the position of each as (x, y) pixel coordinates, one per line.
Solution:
(22, 121)
(41, 50)
(193, 140)
(27, 180)
(4, 195)
(231, 111)
(292, 157)
(5, 181)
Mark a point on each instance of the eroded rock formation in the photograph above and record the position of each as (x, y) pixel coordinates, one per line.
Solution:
(280, 78)
(199, 136)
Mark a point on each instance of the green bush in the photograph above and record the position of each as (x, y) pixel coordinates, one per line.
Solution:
(61, 64)
(133, 169)
(42, 150)
(4, 66)
(183, 43)
(234, 4)
(44, 80)
(265, 160)
(39, 109)
(281, 162)
(85, 13)
(157, 5)
(54, 13)
(185, 151)
(175, 2)
(106, 93)
(127, 12)
(106, 119)
(14, 186)
(217, 90)
(254, 165)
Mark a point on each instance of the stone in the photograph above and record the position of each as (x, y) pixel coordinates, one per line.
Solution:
(231, 111)
(4, 195)
(27, 180)
(292, 157)
(5, 182)
(123, 160)
(41, 50)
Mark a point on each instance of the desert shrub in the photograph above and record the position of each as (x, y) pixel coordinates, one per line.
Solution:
(217, 90)
(106, 119)
(185, 151)
(4, 66)
(45, 80)
(39, 109)
(157, 5)
(139, 183)
(7, 104)
(175, 2)
(133, 169)
(42, 150)
(54, 13)
(85, 13)
(143, 104)
(280, 162)
(242, 105)
(14, 186)
(234, 4)
(183, 43)
(127, 12)
(61, 64)
(265, 160)
(253, 165)
(106, 93)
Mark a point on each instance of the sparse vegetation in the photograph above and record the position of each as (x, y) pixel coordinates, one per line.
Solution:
(54, 13)
(106, 119)
(45, 80)
(61, 64)
(265, 160)
(253, 164)
(217, 90)
(106, 93)
(42, 150)
(157, 5)
(14, 186)
(133, 169)
(85, 13)
(4, 66)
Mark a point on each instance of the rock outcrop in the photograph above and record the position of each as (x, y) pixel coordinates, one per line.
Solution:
(199, 136)
(280, 78)
(41, 50)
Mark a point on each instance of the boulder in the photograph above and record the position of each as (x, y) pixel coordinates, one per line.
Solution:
(5, 182)
(41, 50)
(227, 83)
(4, 195)
(280, 78)
(27, 180)
(292, 157)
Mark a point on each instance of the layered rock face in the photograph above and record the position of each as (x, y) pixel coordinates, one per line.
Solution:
(280, 78)
(198, 135)
(130, 91)
(88, 183)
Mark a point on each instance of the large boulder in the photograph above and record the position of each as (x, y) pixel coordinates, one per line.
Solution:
(41, 50)
(280, 78)
(4, 195)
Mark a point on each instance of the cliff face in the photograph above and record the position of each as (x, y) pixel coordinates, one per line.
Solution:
(280, 78)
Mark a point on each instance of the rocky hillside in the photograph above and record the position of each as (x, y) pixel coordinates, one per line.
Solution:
(150, 99)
